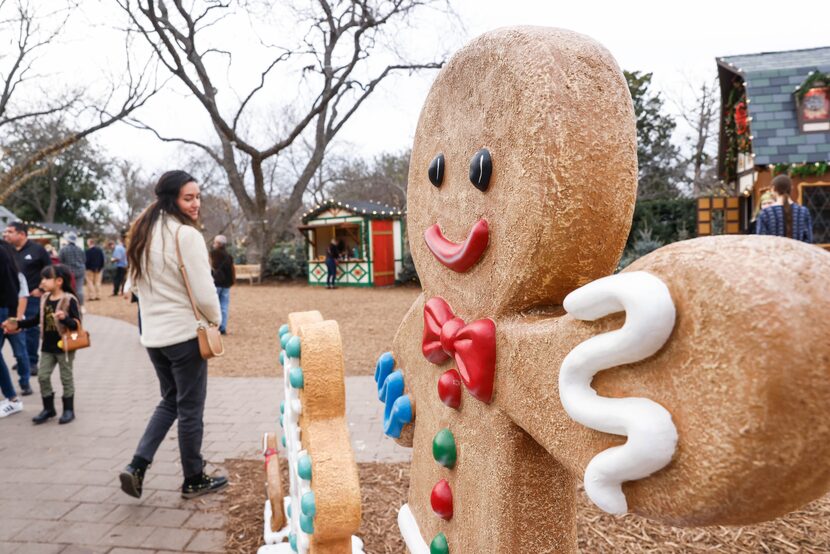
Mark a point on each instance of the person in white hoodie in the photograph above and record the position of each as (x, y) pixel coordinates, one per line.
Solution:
(168, 328)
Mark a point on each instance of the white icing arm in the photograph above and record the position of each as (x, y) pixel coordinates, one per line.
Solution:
(410, 532)
(652, 437)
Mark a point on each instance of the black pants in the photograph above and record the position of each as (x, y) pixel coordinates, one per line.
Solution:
(182, 375)
(118, 280)
(331, 265)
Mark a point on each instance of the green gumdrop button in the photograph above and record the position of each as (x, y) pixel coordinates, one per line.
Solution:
(284, 339)
(307, 504)
(443, 448)
(292, 348)
(439, 545)
(283, 329)
(295, 377)
(304, 467)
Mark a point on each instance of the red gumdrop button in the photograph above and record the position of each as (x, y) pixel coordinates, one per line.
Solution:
(449, 388)
(441, 499)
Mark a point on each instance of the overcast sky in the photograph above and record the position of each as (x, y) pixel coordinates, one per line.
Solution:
(677, 41)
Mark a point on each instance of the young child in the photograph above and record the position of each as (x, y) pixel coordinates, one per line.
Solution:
(58, 312)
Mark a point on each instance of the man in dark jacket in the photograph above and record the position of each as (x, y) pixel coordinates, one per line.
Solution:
(31, 258)
(224, 276)
(94, 269)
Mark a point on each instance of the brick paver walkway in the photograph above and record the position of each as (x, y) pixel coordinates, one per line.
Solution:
(58, 483)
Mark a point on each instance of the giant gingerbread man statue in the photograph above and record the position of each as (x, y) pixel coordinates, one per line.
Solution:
(692, 388)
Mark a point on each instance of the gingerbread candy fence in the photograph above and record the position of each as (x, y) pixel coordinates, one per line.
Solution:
(322, 508)
(690, 388)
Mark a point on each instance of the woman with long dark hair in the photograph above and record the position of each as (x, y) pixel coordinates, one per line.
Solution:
(169, 329)
(785, 218)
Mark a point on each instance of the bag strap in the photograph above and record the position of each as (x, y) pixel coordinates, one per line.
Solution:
(184, 276)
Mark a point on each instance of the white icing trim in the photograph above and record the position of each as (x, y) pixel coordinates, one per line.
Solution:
(652, 437)
(269, 535)
(410, 532)
(291, 429)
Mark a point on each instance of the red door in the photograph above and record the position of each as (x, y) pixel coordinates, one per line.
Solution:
(383, 253)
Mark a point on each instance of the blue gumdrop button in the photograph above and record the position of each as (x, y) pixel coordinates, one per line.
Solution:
(288, 511)
(308, 505)
(283, 329)
(295, 377)
(284, 339)
(282, 406)
(392, 390)
(400, 415)
(282, 357)
(385, 365)
(283, 441)
(304, 467)
(307, 524)
(292, 540)
(293, 347)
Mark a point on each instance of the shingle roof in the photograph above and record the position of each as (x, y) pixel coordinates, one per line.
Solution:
(364, 208)
(770, 79)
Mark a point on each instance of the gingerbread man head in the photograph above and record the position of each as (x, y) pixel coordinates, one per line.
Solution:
(523, 173)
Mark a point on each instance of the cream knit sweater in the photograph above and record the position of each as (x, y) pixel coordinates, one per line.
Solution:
(166, 315)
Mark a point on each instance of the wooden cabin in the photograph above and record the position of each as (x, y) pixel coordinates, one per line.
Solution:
(370, 238)
(775, 118)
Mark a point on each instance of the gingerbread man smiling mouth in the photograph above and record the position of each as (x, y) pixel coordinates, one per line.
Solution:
(659, 386)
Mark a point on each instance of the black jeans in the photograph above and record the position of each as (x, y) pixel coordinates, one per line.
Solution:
(182, 375)
(118, 280)
(331, 265)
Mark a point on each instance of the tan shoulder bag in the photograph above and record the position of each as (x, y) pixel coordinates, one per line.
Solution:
(210, 339)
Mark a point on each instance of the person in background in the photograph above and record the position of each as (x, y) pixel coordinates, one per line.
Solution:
(31, 258)
(53, 254)
(9, 295)
(332, 253)
(17, 341)
(75, 260)
(170, 225)
(119, 258)
(94, 264)
(61, 312)
(766, 200)
(785, 218)
(224, 277)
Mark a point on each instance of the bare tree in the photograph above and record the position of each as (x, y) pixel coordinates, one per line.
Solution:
(701, 115)
(332, 60)
(33, 31)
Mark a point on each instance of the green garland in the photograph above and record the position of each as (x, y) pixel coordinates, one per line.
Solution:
(813, 79)
(802, 170)
(735, 143)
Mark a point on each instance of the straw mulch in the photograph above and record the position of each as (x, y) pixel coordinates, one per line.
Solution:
(384, 488)
(368, 319)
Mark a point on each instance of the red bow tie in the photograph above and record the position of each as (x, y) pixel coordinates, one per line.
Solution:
(473, 346)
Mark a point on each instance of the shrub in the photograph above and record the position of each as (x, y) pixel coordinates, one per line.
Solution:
(409, 274)
(287, 261)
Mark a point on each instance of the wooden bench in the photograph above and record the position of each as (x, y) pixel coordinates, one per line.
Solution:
(249, 272)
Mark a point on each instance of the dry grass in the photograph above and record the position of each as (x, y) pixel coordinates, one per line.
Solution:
(368, 319)
(384, 488)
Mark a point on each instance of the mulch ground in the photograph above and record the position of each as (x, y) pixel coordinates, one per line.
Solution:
(368, 319)
(384, 488)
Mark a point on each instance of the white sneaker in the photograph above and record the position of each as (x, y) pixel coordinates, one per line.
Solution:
(9, 407)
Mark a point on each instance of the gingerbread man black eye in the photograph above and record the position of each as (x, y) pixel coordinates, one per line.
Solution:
(436, 170)
(481, 167)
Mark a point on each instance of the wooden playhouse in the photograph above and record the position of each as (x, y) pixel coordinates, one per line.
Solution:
(775, 119)
(370, 238)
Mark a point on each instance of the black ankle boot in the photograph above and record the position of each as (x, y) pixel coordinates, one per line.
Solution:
(198, 485)
(132, 478)
(48, 410)
(68, 410)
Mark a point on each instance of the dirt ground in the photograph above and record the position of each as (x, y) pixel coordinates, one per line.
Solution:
(384, 488)
(368, 319)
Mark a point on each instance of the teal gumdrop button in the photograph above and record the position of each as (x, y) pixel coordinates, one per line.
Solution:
(292, 540)
(295, 377)
(307, 524)
(282, 357)
(304, 467)
(292, 348)
(283, 329)
(439, 545)
(284, 339)
(308, 505)
(282, 423)
(283, 441)
(443, 448)
(282, 407)
(288, 511)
